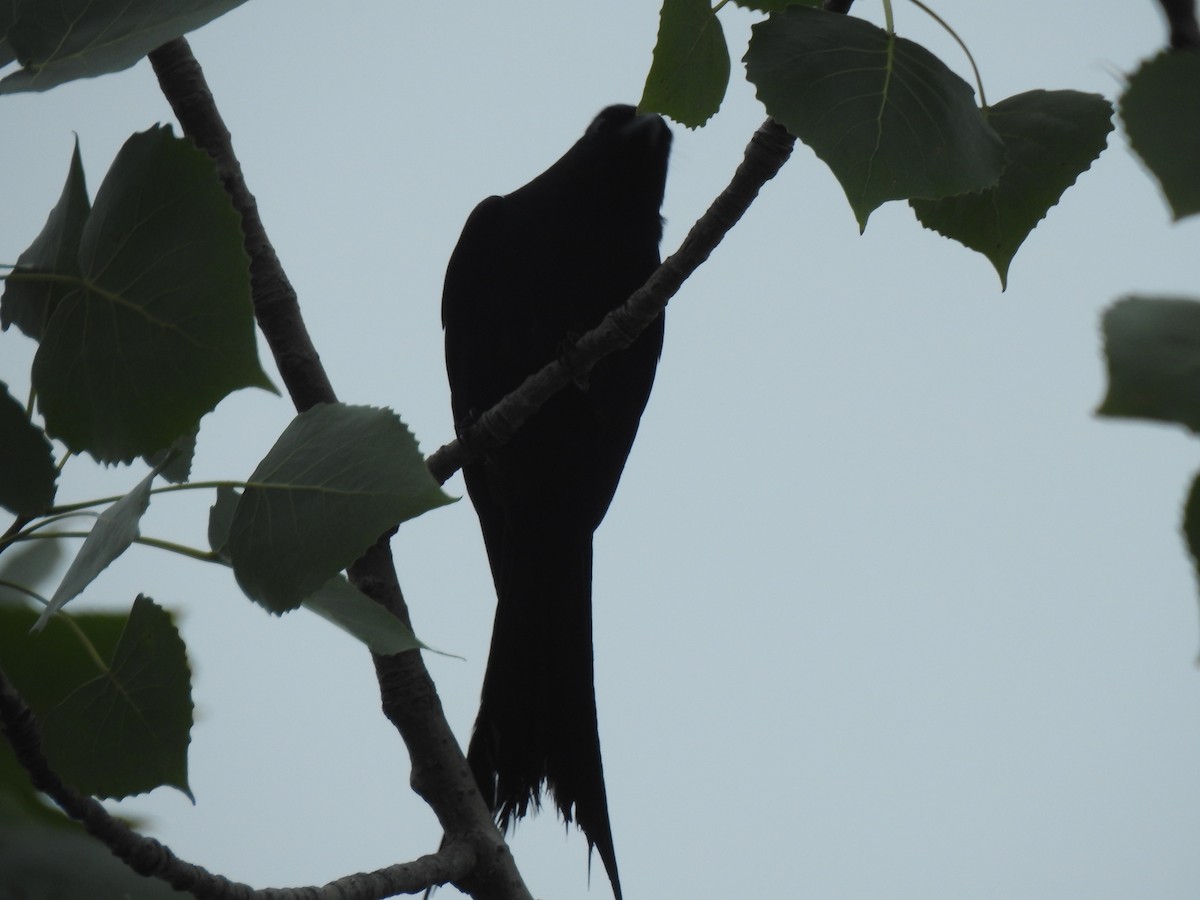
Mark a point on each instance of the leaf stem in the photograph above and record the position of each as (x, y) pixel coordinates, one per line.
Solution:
(165, 489)
(21, 589)
(20, 534)
(83, 639)
(181, 549)
(954, 34)
(889, 22)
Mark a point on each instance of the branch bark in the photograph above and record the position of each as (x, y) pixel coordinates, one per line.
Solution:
(440, 772)
(475, 856)
(1181, 17)
(148, 857)
(275, 305)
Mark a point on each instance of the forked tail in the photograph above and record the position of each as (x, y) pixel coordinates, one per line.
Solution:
(537, 716)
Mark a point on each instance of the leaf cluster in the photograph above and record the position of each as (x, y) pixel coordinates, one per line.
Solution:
(142, 310)
(1151, 342)
(889, 118)
(141, 305)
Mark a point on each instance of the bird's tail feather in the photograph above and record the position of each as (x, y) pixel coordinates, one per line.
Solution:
(537, 717)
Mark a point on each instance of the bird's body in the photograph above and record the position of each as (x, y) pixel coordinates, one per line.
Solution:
(533, 270)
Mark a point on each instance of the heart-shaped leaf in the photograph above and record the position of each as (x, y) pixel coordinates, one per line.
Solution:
(887, 116)
(337, 478)
(115, 715)
(336, 601)
(127, 730)
(160, 327)
(1050, 137)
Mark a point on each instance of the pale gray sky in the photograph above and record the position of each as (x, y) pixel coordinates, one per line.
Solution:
(882, 611)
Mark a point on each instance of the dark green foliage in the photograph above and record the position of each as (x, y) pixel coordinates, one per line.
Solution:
(115, 724)
(1161, 112)
(336, 601)
(1152, 346)
(887, 116)
(1050, 137)
(690, 71)
(127, 730)
(56, 41)
(27, 472)
(337, 478)
(55, 251)
(159, 327)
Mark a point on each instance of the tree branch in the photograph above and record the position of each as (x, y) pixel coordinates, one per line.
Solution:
(440, 773)
(275, 305)
(146, 856)
(1181, 17)
(766, 153)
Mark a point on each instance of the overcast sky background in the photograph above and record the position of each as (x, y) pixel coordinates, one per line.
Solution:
(882, 610)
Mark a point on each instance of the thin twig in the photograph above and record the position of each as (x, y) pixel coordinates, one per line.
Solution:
(146, 856)
(275, 305)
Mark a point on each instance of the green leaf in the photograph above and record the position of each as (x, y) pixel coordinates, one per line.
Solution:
(27, 471)
(690, 69)
(29, 304)
(115, 530)
(220, 521)
(7, 54)
(29, 564)
(886, 115)
(127, 731)
(1051, 137)
(60, 40)
(340, 602)
(174, 463)
(160, 328)
(1152, 345)
(337, 601)
(1161, 113)
(115, 723)
(46, 668)
(336, 479)
(66, 862)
